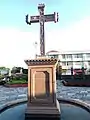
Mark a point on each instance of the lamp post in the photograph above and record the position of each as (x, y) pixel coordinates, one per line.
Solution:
(83, 66)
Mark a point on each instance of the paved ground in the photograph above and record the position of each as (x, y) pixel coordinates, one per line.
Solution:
(9, 94)
(68, 112)
(81, 93)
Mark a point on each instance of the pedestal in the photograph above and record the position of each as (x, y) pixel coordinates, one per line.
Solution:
(42, 102)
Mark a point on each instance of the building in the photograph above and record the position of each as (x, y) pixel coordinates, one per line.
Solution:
(75, 59)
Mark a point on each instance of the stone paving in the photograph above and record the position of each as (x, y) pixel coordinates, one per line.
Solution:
(81, 93)
(10, 94)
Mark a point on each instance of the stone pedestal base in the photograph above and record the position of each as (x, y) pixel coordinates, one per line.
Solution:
(42, 102)
(43, 113)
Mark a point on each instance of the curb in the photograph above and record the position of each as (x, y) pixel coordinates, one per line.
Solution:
(15, 85)
(61, 100)
(75, 102)
(12, 104)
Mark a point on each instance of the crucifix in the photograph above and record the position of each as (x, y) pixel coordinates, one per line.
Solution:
(42, 19)
(42, 101)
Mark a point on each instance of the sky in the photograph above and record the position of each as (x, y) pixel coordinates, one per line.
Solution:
(17, 39)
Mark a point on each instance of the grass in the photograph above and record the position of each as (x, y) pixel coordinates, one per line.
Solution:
(16, 81)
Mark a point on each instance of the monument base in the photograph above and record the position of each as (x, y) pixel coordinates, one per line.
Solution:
(43, 113)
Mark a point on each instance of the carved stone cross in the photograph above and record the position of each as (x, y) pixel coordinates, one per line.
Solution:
(42, 19)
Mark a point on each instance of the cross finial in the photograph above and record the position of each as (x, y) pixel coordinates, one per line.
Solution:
(41, 6)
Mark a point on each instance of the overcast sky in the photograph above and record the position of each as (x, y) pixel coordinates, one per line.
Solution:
(17, 39)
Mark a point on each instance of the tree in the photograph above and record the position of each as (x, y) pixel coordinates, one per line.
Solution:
(25, 71)
(16, 70)
(3, 68)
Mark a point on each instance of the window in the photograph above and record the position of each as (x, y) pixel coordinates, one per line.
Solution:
(70, 63)
(69, 56)
(66, 56)
(88, 55)
(54, 56)
(63, 63)
(78, 56)
(63, 56)
(89, 63)
(78, 63)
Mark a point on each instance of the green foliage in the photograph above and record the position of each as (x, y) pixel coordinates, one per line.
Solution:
(20, 76)
(17, 70)
(1, 76)
(16, 81)
(4, 68)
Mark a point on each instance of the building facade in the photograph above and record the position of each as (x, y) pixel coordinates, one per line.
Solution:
(75, 59)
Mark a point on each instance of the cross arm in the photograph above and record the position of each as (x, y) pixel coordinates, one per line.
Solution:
(52, 17)
(47, 18)
(32, 19)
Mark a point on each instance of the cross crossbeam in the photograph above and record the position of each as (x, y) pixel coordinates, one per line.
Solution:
(42, 19)
(47, 18)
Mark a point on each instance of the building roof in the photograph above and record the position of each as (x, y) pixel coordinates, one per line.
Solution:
(41, 61)
(52, 52)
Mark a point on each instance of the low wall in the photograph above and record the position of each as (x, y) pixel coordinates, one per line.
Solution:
(76, 80)
(61, 100)
(16, 85)
(65, 77)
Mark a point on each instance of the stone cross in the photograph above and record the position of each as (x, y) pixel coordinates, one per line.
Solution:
(42, 19)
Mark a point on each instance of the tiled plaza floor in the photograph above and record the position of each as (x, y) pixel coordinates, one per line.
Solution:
(10, 94)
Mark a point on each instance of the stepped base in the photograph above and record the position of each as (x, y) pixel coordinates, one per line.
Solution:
(42, 113)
